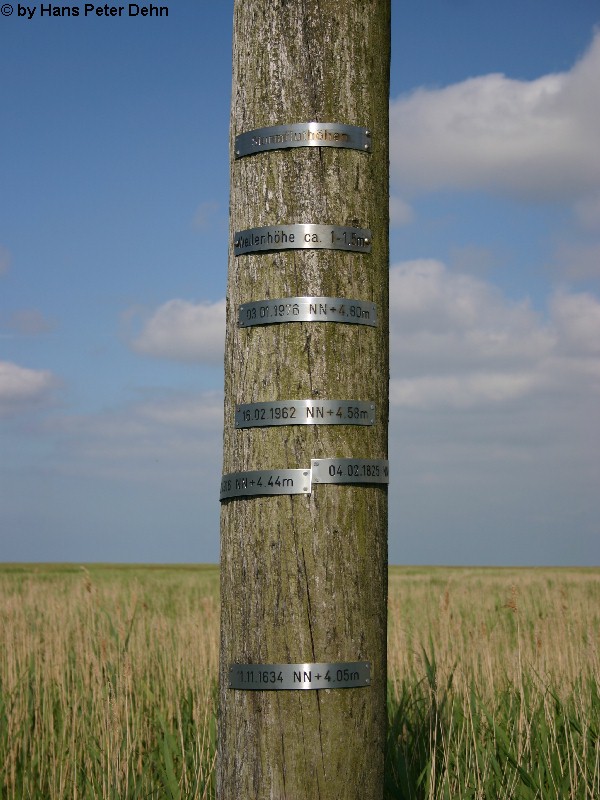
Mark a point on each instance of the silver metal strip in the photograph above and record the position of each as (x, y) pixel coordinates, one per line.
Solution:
(350, 470)
(279, 677)
(302, 236)
(302, 134)
(265, 482)
(307, 309)
(305, 412)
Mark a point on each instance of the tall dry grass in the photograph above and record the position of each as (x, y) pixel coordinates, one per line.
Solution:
(490, 626)
(107, 683)
(494, 681)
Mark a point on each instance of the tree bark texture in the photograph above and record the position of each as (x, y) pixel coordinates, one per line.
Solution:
(304, 578)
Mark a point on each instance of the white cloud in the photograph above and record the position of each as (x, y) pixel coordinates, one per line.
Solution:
(494, 421)
(458, 343)
(472, 259)
(5, 260)
(577, 320)
(201, 412)
(184, 331)
(30, 322)
(21, 388)
(400, 212)
(207, 215)
(578, 260)
(587, 211)
(170, 438)
(430, 303)
(535, 139)
(467, 391)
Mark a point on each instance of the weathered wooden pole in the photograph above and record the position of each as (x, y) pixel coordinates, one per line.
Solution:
(304, 554)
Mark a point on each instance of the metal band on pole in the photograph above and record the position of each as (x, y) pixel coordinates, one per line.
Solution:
(307, 309)
(302, 236)
(302, 134)
(304, 412)
(322, 675)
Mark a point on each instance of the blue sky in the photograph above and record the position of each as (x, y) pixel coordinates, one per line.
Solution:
(113, 258)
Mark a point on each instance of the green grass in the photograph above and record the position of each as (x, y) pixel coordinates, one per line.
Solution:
(108, 683)
(528, 743)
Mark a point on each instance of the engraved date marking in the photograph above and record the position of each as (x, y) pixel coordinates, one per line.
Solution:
(305, 412)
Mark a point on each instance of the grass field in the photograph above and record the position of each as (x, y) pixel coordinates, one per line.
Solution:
(107, 682)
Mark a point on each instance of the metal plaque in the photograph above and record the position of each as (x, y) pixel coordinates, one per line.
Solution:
(350, 470)
(277, 677)
(304, 412)
(307, 309)
(265, 481)
(302, 237)
(303, 134)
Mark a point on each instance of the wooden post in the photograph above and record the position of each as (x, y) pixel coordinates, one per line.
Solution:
(304, 576)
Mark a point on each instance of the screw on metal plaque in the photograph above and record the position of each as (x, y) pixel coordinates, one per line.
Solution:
(255, 483)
